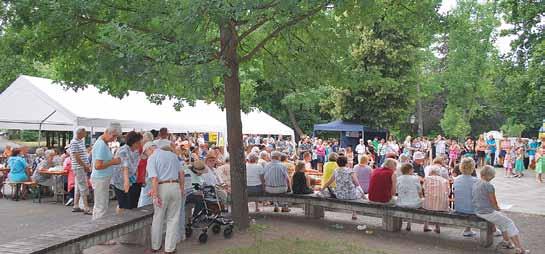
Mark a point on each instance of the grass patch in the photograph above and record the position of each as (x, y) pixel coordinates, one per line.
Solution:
(299, 246)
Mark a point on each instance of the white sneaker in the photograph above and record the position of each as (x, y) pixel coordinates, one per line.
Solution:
(69, 203)
(469, 234)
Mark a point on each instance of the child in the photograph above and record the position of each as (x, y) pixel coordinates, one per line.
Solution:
(456, 171)
(300, 181)
(409, 190)
(519, 163)
(540, 162)
(454, 151)
(508, 164)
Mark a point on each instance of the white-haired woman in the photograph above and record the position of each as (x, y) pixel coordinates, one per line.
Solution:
(103, 167)
(255, 177)
(47, 163)
(486, 207)
(264, 158)
(40, 156)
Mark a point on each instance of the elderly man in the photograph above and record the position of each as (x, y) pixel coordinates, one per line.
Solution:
(360, 149)
(80, 166)
(167, 188)
(276, 178)
(418, 163)
(163, 139)
(103, 168)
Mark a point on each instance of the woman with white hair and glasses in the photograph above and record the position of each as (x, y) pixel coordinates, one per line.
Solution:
(103, 168)
(486, 207)
(46, 164)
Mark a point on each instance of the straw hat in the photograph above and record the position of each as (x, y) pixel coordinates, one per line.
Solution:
(199, 167)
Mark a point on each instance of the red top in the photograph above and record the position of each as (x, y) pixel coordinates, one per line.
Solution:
(380, 185)
(141, 171)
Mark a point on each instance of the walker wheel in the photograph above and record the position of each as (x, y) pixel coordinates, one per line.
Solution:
(228, 232)
(216, 229)
(203, 238)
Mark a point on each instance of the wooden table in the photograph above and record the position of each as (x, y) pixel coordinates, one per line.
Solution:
(59, 185)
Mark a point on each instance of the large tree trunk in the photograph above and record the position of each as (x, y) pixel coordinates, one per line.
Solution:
(299, 132)
(229, 57)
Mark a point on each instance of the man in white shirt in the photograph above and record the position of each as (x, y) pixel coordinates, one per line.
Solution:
(360, 149)
(440, 146)
(162, 140)
(200, 140)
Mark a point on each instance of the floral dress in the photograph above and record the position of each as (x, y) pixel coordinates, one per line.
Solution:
(345, 186)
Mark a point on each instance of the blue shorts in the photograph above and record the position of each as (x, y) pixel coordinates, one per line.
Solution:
(320, 159)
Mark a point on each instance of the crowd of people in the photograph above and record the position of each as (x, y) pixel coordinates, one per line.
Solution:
(515, 155)
(163, 169)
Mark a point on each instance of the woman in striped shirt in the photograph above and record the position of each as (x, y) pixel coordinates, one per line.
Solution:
(436, 192)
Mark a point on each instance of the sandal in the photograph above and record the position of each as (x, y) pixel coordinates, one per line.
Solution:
(88, 212)
(504, 245)
(77, 210)
(522, 251)
(427, 230)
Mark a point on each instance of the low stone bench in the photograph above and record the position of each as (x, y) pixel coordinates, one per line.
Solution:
(75, 238)
(391, 215)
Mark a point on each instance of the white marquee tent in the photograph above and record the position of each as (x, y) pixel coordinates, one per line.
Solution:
(37, 103)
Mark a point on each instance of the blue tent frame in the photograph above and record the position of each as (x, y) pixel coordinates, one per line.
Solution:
(339, 125)
(345, 126)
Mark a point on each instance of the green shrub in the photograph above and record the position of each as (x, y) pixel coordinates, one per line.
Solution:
(29, 136)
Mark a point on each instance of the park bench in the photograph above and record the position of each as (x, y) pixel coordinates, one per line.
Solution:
(32, 186)
(75, 238)
(391, 215)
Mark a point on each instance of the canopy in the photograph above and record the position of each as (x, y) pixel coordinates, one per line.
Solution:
(30, 102)
(339, 125)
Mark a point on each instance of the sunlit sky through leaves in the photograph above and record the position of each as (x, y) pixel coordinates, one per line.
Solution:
(502, 43)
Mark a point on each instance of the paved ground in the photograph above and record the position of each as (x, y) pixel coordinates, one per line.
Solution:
(24, 218)
(525, 194)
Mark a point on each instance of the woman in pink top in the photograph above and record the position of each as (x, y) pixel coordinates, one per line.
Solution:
(320, 155)
(436, 193)
(454, 151)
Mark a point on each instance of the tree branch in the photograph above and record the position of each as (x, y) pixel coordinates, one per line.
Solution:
(181, 62)
(279, 29)
(266, 5)
(253, 28)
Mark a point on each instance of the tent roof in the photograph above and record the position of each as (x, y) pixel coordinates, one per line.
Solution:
(339, 125)
(30, 100)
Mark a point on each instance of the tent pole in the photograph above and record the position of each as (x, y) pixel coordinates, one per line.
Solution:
(40, 129)
(40, 136)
